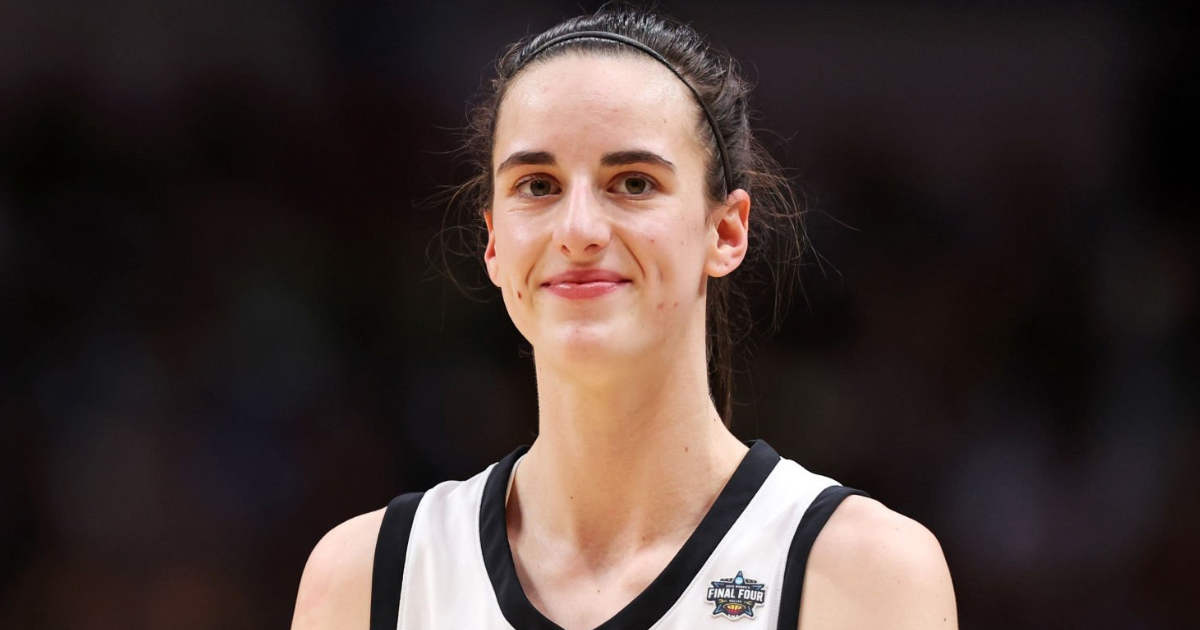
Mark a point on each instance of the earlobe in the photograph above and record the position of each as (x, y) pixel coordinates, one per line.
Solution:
(489, 252)
(732, 228)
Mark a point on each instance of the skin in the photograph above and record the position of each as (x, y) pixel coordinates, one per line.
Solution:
(598, 167)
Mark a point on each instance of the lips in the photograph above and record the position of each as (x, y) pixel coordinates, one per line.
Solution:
(584, 283)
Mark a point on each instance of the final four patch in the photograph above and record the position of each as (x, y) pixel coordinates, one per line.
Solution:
(736, 597)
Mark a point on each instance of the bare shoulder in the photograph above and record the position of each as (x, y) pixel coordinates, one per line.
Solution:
(871, 567)
(335, 590)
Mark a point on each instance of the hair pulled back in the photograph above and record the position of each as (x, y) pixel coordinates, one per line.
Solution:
(777, 236)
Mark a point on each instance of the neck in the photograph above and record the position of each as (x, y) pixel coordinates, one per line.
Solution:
(638, 455)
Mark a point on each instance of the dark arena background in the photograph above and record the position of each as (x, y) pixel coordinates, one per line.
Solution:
(221, 332)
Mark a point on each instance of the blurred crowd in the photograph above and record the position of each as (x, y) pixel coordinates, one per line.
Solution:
(224, 327)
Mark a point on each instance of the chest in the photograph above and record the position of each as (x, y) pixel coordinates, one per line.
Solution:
(461, 571)
(582, 594)
(716, 578)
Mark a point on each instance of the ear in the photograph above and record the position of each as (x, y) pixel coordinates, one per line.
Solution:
(489, 253)
(731, 228)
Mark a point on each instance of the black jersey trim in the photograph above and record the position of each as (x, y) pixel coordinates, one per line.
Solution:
(658, 598)
(811, 523)
(387, 573)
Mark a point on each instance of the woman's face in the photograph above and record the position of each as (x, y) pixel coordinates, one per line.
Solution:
(600, 236)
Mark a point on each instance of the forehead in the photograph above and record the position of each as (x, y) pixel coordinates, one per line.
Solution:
(600, 102)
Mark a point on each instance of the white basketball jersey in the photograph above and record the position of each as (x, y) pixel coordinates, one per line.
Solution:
(443, 560)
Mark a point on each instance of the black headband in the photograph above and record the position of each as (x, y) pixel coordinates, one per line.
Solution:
(712, 121)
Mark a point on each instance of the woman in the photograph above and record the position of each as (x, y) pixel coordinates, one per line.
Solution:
(619, 182)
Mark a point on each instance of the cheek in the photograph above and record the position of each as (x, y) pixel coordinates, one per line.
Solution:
(677, 249)
(516, 253)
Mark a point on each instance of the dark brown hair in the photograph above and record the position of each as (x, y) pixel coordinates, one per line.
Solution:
(777, 229)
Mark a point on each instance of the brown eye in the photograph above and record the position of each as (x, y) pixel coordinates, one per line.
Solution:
(537, 187)
(635, 185)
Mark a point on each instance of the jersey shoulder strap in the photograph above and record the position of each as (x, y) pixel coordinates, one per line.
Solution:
(811, 523)
(391, 547)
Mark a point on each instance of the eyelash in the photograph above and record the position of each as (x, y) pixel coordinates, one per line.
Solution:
(650, 181)
(651, 184)
(530, 179)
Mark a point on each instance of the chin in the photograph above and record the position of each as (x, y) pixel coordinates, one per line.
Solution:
(589, 344)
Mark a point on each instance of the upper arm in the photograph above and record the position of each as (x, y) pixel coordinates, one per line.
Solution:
(873, 568)
(335, 590)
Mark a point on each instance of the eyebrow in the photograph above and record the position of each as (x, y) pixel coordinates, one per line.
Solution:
(526, 158)
(623, 158)
(616, 158)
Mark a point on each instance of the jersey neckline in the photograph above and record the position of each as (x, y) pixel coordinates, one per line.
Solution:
(657, 599)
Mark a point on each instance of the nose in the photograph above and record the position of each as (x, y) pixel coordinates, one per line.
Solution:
(583, 228)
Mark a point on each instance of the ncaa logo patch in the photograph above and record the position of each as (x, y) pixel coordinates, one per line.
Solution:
(736, 597)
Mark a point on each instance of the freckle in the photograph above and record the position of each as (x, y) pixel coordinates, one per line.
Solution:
(685, 449)
(518, 295)
(676, 305)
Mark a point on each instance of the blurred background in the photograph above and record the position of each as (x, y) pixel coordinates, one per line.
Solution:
(221, 334)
